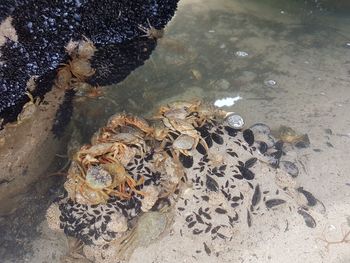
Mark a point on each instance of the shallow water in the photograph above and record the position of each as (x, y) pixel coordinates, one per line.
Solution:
(303, 46)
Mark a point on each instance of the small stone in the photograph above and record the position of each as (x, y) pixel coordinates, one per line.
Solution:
(270, 83)
(241, 54)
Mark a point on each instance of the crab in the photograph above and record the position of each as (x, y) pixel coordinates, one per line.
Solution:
(94, 92)
(184, 144)
(128, 139)
(151, 32)
(121, 120)
(177, 109)
(97, 172)
(194, 112)
(80, 68)
(90, 154)
(64, 78)
(208, 113)
(85, 48)
(188, 135)
(76, 71)
(100, 182)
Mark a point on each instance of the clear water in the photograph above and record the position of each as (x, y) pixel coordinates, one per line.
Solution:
(303, 46)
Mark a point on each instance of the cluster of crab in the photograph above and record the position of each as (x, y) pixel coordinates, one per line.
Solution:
(100, 170)
(180, 126)
(131, 166)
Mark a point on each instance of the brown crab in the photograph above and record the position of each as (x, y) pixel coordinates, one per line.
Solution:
(151, 32)
(121, 120)
(99, 182)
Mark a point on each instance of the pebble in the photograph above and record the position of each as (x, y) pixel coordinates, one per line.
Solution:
(235, 121)
(241, 54)
(270, 83)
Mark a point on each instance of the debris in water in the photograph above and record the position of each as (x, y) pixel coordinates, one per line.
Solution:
(229, 101)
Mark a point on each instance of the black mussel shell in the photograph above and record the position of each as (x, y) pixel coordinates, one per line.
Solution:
(231, 131)
(274, 202)
(311, 200)
(309, 220)
(187, 161)
(250, 162)
(203, 130)
(209, 141)
(248, 136)
(246, 173)
(201, 149)
(212, 184)
(263, 147)
(256, 196)
(217, 138)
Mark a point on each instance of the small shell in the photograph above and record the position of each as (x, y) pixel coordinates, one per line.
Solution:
(234, 120)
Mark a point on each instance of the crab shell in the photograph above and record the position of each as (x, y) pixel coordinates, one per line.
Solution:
(98, 178)
(184, 142)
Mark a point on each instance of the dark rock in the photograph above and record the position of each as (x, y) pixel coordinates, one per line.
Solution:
(45, 28)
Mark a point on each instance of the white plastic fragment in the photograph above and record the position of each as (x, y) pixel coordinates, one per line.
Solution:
(229, 101)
